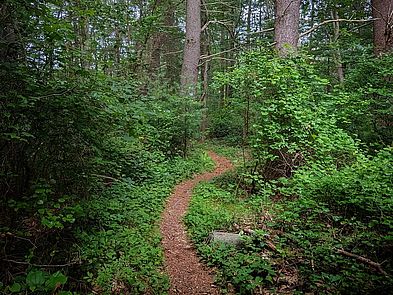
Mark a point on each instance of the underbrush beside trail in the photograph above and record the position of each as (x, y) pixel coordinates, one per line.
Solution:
(86, 162)
(316, 184)
(119, 242)
(310, 233)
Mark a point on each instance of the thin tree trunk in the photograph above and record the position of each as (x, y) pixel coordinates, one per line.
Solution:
(155, 45)
(205, 79)
(205, 46)
(171, 44)
(336, 53)
(249, 11)
(286, 34)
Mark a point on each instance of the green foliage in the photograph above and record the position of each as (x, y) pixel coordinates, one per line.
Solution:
(119, 242)
(348, 209)
(363, 190)
(211, 209)
(290, 127)
(317, 190)
(90, 138)
(38, 282)
(367, 108)
(308, 219)
(226, 124)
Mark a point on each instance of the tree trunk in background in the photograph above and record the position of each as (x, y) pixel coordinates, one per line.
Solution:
(286, 26)
(205, 47)
(192, 50)
(172, 46)
(155, 54)
(336, 52)
(249, 11)
(9, 45)
(11, 48)
(157, 40)
(383, 27)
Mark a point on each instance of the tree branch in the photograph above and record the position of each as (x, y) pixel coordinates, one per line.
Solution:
(218, 53)
(316, 26)
(205, 26)
(263, 31)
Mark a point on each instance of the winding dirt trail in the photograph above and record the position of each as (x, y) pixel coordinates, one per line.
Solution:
(187, 274)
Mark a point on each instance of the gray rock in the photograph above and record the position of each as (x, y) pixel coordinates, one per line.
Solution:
(226, 238)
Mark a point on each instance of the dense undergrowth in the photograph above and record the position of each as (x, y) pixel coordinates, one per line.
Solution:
(298, 230)
(119, 241)
(86, 163)
(312, 193)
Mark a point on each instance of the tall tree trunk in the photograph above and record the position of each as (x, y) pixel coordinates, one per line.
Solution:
(383, 26)
(286, 26)
(192, 50)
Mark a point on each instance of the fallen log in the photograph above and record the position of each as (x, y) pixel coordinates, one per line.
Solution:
(375, 265)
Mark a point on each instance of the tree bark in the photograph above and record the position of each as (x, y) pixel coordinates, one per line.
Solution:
(383, 26)
(286, 26)
(192, 50)
(336, 52)
(9, 47)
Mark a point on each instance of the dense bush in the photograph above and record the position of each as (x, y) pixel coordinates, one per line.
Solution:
(366, 106)
(321, 203)
(63, 142)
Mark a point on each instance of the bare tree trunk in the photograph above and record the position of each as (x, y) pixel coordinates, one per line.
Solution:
(286, 34)
(383, 26)
(192, 50)
(336, 53)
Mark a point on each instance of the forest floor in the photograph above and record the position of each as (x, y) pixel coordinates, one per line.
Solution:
(186, 273)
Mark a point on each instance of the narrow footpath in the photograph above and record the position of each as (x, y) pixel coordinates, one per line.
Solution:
(187, 274)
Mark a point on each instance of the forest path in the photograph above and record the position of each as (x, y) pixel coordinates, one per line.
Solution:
(186, 273)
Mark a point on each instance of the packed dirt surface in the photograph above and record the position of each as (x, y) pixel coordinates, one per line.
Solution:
(187, 274)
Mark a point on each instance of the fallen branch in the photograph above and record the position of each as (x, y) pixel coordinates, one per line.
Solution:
(40, 265)
(55, 94)
(364, 260)
(105, 177)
